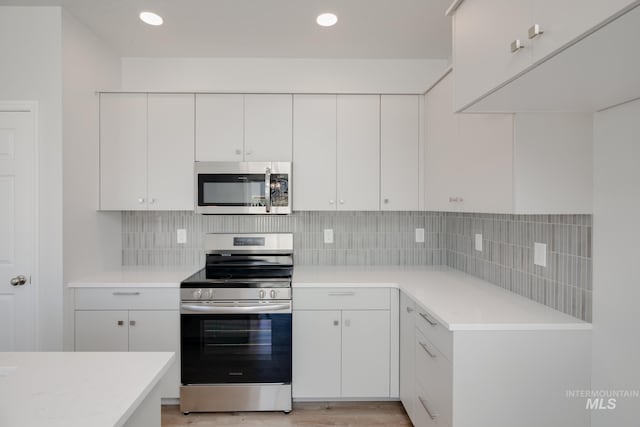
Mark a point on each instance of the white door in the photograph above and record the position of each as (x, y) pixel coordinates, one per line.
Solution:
(171, 152)
(358, 130)
(219, 127)
(17, 230)
(314, 152)
(316, 354)
(158, 330)
(399, 148)
(268, 128)
(123, 151)
(102, 330)
(365, 354)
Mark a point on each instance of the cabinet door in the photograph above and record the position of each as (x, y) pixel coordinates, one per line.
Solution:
(365, 354)
(158, 331)
(123, 151)
(316, 354)
(219, 128)
(564, 21)
(399, 148)
(407, 354)
(485, 162)
(482, 36)
(358, 130)
(314, 152)
(99, 330)
(171, 152)
(442, 151)
(268, 128)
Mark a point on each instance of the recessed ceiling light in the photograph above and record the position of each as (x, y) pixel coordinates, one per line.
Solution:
(151, 18)
(327, 19)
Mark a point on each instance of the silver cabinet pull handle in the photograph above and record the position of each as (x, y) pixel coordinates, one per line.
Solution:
(409, 309)
(432, 415)
(342, 294)
(120, 322)
(535, 31)
(516, 46)
(428, 319)
(126, 293)
(132, 322)
(19, 280)
(425, 348)
(336, 323)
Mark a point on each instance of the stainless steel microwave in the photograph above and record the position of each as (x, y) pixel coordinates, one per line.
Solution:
(243, 187)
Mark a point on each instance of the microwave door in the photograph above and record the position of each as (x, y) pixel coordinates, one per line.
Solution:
(232, 193)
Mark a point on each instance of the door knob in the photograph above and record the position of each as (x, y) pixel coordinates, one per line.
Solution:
(19, 280)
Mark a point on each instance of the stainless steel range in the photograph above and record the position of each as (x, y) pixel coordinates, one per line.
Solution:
(235, 317)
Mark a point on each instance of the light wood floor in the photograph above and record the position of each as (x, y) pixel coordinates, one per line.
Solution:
(347, 414)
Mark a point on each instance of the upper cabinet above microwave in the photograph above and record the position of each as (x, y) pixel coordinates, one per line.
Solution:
(237, 127)
(543, 55)
(146, 151)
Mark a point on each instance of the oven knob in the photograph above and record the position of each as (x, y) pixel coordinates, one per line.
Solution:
(207, 293)
(197, 293)
(273, 294)
(261, 294)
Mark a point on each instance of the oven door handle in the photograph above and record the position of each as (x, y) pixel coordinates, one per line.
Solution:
(233, 308)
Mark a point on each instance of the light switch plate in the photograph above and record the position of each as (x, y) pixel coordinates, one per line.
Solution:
(540, 254)
(419, 235)
(328, 235)
(181, 236)
(478, 242)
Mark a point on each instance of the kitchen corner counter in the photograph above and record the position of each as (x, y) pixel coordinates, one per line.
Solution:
(136, 276)
(457, 300)
(81, 389)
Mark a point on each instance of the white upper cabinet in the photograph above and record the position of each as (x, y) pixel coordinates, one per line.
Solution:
(170, 152)
(399, 149)
(123, 152)
(495, 41)
(314, 152)
(268, 128)
(358, 136)
(250, 128)
(146, 152)
(527, 163)
(219, 128)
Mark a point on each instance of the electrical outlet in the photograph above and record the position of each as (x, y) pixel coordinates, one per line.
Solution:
(328, 235)
(479, 242)
(540, 254)
(419, 235)
(181, 236)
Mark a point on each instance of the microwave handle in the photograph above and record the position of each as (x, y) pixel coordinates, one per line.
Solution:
(267, 189)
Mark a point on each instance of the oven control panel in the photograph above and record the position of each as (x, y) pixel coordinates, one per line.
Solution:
(209, 294)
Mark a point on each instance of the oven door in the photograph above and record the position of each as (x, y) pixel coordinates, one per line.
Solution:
(242, 187)
(230, 343)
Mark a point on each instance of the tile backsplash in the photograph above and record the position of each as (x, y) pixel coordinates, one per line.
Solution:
(388, 238)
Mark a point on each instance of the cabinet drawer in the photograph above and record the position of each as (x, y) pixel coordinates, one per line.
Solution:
(440, 336)
(127, 299)
(434, 376)
(426, 414)
(341, 299)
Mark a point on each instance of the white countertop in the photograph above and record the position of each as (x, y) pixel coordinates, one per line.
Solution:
(76, 389)
(457, 300)
(136, 276)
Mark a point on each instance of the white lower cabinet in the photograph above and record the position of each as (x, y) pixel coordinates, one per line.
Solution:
(490, 378)
(342, 350)
(120, 320)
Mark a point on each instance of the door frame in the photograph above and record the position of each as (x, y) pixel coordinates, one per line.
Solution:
(32, 107)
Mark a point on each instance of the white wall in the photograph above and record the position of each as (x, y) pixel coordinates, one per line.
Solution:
(30, 70)
(616, 252)
(92, 240)
(280, 75)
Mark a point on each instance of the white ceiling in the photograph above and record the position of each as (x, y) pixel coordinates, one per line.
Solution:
(267, 28)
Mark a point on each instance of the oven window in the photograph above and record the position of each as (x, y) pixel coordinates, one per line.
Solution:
(235, 348)
(248, 339)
